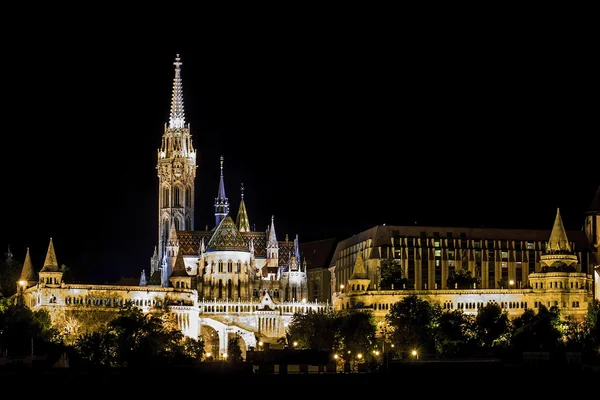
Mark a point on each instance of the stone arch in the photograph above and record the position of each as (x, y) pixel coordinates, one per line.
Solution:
(223, 331)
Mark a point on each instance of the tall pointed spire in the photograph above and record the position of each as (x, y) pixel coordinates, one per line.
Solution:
(558, 243)
(177, 116)
(242, 221)
(50, 264)
(272, 241)
(27, 273)
(221, 201)
(173, 236)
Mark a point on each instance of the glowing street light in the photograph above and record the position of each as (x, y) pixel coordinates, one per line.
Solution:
(23, 283)
(342, 288)
(336, 356)
(208, 354)
(359, 356)
(295, 344)
(415, 354)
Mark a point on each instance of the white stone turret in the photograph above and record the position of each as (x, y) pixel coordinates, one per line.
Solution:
(272, 246)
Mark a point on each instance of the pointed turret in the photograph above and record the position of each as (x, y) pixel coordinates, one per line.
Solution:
(558, 243)
(221, 201)
(27, 278)
(179, 277)
(50, 274)
(242, 221)
(558, 254)
(359, 280)
(272, 246)
(143, 278)
(297, 248)
(50, 264)
(177, 116)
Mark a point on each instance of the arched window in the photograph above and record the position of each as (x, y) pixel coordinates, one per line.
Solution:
(188, 196)
(229, 266)
(239, 267)
(177, 224)
(229, 289)
(239, 289)
(165, 197)
(177, 197)
(220, 266)
(220, 290)
(188, 223)
(294, 293)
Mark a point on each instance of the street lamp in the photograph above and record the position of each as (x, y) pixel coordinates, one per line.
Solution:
(415, 354)
(510, 283)
(342, 288)
(260, 344)
(295, 344)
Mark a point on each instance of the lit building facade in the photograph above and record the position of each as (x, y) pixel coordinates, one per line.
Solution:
(518, 269)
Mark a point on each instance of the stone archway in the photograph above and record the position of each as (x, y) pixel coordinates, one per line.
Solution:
(223, 330)
(210, 337)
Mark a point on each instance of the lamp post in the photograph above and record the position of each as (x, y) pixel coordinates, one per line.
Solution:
(342, 288)
(510, 283)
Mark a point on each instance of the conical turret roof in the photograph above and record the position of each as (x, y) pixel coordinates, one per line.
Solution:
(558, 241)
(360, 272)
(242, 221)
(179, 267)
(27, 273)
(50, 264)
(227, 237)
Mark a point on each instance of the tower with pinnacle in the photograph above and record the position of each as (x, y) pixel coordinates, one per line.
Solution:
(176, 169)
(221, 201)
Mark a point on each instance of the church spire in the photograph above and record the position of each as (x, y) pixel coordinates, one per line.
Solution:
(558, 242)
(177, 116)
(242, 221)
(360, 271)
(221, 201)
(272, 240)
(50, 264)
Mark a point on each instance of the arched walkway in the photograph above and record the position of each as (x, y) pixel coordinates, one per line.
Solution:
(223, 330)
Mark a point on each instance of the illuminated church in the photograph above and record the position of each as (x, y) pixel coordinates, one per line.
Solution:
(229, 261)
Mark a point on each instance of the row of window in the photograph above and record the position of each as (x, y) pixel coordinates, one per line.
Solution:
(178, 196)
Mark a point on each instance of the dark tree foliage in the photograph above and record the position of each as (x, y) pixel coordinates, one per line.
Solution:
(456, 334)
(492, 325)
(25, 332)
(413, 322)
(356, 333)
(390, 275)
(315, 331)
(538, 332)
(135, 338)
(10, 271)
(461, 278)
(234, 351)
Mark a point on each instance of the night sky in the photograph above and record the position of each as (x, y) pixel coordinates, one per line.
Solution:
(331, 131)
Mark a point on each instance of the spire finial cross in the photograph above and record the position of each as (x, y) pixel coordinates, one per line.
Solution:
(242, 189)
(177, 62)
(221, 159)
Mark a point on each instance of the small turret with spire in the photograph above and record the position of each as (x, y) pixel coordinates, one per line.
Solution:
(558, 251)
(359, 280)
(50, 274)
(221, 201)
(242, 220)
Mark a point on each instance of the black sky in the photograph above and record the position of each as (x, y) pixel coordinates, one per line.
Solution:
(332, 129)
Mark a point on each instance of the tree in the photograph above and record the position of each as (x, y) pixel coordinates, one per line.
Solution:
(234, 351)
(538, 332)
(456, 335)
(413, 322)
(135, 338)
(461, 278)
(390, 274)
(10, 271)
(356, 332)
(25, 332)
(492, 325)
(315, 331)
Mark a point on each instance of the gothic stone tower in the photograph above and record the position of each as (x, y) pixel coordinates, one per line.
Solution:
(176, 172)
